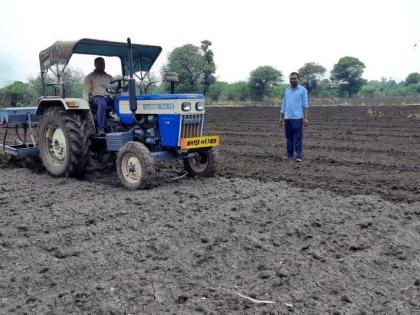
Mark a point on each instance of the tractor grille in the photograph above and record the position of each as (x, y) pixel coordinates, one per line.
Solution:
(191, 125)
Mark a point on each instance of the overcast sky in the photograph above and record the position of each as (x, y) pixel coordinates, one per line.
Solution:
(245, 34)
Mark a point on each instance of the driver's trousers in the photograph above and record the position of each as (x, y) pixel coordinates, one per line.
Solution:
(102, 103)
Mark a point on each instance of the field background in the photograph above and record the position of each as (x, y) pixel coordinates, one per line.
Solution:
(336, 234)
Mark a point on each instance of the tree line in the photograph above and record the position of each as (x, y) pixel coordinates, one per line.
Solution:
(196, 68)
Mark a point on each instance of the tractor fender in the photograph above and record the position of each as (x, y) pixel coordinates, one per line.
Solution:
(65, 103)
(68, 104)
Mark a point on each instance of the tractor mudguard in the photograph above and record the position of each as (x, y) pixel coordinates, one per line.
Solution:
(65, 103)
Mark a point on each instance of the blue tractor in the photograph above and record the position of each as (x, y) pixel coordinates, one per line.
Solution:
(142, 129)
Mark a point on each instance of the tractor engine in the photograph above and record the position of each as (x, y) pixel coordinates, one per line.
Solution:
(147, 132)
(161, 121)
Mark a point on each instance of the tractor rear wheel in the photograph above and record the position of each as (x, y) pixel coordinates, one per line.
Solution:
(64, 143)
(135, 165)
(202, 164)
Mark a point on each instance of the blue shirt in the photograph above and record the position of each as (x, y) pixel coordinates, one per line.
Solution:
(295, 100)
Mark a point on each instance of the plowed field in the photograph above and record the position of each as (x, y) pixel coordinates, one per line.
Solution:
(338, 233)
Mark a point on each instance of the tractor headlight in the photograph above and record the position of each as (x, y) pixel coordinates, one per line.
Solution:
(199, 105)
(186, 106)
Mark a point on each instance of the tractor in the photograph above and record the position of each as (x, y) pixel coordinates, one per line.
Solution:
(141, 128)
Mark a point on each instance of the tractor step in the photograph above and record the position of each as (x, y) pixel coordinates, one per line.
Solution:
(115, 140)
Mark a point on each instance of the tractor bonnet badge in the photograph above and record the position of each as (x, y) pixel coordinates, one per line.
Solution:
(158, 106)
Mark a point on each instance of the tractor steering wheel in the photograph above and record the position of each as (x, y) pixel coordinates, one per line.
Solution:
(117, 86)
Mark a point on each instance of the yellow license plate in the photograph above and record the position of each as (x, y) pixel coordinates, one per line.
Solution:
(200, 142)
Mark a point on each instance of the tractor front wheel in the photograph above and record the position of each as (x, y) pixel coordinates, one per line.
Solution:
(203, 163)
(135, 165)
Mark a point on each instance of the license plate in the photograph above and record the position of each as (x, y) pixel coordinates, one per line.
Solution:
(200, 142)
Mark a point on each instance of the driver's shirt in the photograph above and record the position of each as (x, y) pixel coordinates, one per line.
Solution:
(92, 84)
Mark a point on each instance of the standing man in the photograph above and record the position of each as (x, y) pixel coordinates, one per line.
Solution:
(294, 116)
(95, 93)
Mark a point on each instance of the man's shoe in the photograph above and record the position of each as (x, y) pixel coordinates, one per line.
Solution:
(298, 160)
(101, 133)
(286, 158)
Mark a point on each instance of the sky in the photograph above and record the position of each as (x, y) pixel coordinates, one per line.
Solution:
(245, 34)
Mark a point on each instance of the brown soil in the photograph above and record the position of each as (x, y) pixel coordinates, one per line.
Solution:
(336, 234)
(348, 150)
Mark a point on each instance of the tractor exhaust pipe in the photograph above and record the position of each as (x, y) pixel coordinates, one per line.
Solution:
(132, 99)
(171, 77)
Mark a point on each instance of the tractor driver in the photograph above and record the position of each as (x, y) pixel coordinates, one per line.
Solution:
(95, 93)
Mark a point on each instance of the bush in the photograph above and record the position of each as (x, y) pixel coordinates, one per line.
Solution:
(367, 90)
(217, 90)
(238, 91)
(17, 94)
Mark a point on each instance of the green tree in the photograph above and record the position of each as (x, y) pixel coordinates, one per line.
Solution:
(384, 87)
(411, 89)
(347, 73)
(262, 80)
(194, 65)
(412, 78)
(17, 94)
(310, 76)
(209, 65)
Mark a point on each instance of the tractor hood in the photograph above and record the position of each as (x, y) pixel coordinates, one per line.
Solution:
(60, 53)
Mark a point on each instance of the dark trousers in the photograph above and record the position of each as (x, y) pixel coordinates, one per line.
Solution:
(293, 129)
(101, 103)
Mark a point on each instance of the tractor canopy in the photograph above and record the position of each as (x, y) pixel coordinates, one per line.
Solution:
(60, 53)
